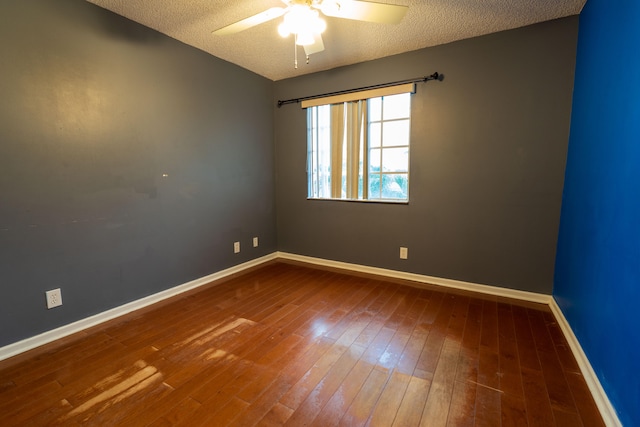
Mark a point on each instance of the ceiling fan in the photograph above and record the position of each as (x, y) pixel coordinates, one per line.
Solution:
(302, 19)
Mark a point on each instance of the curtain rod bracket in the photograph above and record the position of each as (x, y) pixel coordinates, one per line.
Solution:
(434, 76)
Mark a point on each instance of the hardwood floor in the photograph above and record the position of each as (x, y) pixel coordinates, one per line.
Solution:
(290, 345)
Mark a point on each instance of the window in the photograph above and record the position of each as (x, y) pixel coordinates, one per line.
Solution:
(359, 150)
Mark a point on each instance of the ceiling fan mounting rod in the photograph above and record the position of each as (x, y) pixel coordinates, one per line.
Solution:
(434, 76)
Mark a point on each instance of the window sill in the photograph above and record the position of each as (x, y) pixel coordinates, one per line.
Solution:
(376, 201)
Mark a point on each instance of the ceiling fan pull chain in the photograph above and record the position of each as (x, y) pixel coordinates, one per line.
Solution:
(295, 51)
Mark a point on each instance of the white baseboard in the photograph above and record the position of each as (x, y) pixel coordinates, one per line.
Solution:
(72, 328)
(420, 278)
(604, 405)
(607, 410)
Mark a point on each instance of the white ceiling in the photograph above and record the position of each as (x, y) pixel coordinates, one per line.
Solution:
(263, 51)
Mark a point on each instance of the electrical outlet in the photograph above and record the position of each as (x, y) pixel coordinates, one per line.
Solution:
(255, 242)
(404, 253)
(236, 247)
(54, 298)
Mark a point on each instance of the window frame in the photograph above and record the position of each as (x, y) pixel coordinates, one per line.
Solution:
(314, 174)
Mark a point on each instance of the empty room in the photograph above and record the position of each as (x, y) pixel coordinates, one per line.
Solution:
(319, 212)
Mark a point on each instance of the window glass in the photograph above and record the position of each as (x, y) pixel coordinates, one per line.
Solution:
(394, 186)
(395, 133)
(375, 134)
(395, 159)
(375, 156)
(396, 106)
(375, 109)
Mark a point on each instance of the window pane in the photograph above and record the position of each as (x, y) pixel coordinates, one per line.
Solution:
(374, 160)
(395, 159)
(375, 109)
(374, 186)
(396, 106)
(395, 133)
(375, 134)
(319, 152)
(395, 186)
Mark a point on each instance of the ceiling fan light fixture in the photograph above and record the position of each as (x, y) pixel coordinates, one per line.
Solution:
(305, 38)
(319, 26)
(300, 19)
(283, 30)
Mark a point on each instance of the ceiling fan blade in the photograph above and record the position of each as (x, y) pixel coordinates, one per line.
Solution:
(252, 21)
(317, 46)
(361, 10)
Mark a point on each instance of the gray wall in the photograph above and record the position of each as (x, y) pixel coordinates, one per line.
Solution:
(488, 152)
(94, 109)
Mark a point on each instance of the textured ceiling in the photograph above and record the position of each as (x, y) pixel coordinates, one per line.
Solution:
(261, 50)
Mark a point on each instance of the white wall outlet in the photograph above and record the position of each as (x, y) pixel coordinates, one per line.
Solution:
(236, 247)
(54, 298)
(255, 242)
(404, 253)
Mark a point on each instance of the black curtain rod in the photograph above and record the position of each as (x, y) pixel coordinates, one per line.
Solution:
(434, 76)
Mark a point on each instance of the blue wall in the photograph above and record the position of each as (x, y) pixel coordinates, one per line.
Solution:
(597, 276)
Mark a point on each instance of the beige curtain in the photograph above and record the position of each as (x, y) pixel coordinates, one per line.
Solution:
(337, 147)
(348, 130)
(356, 137)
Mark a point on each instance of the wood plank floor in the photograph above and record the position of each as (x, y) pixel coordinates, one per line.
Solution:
(290, 345)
